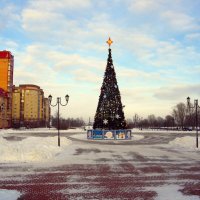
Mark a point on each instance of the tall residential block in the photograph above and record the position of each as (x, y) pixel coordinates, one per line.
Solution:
(6, 79)
(28, 106)
(4, 120)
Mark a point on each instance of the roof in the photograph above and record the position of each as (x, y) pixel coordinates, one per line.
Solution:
(6, 54)
(29, 86)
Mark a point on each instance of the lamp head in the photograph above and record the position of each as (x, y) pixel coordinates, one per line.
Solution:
(188, 101)
(50, 98)
(67, 97)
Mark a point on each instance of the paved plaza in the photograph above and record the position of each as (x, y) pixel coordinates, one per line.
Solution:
(143, 169)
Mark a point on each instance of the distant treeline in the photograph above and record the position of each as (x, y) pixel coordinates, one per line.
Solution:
(67, 123)
(180, 118)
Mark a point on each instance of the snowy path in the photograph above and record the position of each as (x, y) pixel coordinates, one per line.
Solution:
(108, 170)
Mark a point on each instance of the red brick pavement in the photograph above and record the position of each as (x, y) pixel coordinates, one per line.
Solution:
(104, 181)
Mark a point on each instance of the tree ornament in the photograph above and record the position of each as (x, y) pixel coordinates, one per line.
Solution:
(117, 116)
(105, 121)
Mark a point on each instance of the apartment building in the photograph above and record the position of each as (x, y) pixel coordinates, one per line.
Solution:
(4, 119)
(29, 108)
(6, 80)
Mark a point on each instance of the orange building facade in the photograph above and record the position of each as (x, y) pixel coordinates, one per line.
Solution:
(6, 80)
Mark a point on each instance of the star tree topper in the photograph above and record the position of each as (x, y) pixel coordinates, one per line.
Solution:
(109, 42)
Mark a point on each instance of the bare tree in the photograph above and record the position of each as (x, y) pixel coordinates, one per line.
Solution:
(152, 120)
(160, 122)
(67, 123)
(169, 121)
(179, 114)
(136, 119)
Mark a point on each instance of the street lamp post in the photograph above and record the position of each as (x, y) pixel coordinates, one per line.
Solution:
(58, 103)
(195, 106)
(49, 114)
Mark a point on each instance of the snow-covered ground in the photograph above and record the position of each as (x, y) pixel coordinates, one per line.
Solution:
(164, 168)
(137, 130)
(39, 130)
(187, 142)
(171, 191)
(9, 194)
(31, 149)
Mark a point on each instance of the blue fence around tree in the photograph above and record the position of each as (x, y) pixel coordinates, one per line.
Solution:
(123, 134)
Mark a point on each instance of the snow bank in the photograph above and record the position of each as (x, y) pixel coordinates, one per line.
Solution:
(137, 137)
(9, 194)
(31, 149)
(2, 133)
(171, 191)
(144, 130)
(188, 142)
(38, 130)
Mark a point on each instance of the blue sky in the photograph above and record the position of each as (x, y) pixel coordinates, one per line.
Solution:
(61, 46)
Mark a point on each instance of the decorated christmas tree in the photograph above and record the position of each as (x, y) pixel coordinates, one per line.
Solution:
(109, 113)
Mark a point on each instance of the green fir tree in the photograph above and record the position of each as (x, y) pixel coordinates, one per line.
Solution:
(109, 113)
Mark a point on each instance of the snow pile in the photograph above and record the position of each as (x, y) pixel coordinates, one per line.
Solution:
(171, 191)
(2, 133)
(188, 142)
(31, 149)
(9, 194)
(137, 137)
(39, 130)
(146, 130)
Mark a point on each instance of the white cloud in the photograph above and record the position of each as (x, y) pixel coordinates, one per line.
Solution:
(7, 44)
(55, 62)
(132, 74)
(140, 100)
(44, 24)
(62, 5)
(86, 76)
(8, 16)
(145, 5)
(161, 53)
(180, 92)
(74, 61)
(180, 21)
(193, 36)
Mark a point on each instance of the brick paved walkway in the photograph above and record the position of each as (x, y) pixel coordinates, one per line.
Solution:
(95, 171)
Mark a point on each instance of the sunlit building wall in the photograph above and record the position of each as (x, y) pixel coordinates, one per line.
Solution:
(28, 106)
(6, 79)
(4, 117)
(47, 112)
(16, 100)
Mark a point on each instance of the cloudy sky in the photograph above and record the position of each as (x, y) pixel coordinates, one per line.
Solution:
(61, 46)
